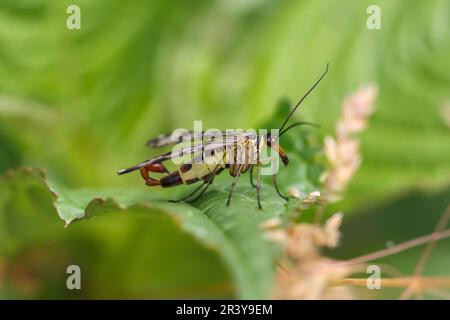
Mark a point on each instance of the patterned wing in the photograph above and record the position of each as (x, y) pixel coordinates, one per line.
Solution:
(196, 150)
(175, 137)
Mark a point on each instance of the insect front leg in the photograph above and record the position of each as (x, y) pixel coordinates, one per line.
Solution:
(251, 177)
(258, 186)
(274, 179)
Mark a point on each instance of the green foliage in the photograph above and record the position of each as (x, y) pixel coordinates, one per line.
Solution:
(81, 103)
(228, 235)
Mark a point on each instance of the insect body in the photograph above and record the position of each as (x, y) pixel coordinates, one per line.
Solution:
(212, 153)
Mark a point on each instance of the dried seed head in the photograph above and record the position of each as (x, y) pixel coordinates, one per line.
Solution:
(356, 110)
(312, 197)
(271, 223)
(309, 275)
(343, 152)
(294, 192)
(303, 240)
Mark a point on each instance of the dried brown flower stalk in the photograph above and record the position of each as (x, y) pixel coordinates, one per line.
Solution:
(307, 274)
(420, 266)
(303, 273)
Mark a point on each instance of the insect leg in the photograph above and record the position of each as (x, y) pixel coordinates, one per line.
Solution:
(274, 179)
(190, 194)
(258, 186)
(208, 183)
(233, 184)
(251, 177)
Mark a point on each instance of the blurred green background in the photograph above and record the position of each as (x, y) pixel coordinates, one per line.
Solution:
(81, 104)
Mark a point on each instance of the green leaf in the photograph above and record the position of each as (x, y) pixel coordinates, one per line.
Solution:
(234, 233)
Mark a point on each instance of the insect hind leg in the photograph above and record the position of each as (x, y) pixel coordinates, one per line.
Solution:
(207, 182)
(275, 184)
(190, 194)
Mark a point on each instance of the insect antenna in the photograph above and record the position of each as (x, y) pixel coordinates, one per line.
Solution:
(303, 98)
(299, 124)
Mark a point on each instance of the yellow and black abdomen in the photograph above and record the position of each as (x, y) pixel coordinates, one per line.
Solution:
(189, 173)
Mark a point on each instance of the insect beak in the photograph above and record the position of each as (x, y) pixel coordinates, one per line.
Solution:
(281, 153)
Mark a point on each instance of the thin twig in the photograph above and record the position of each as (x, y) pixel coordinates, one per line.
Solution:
(430, 246)
(398, 248)
(438, 293)
(420, 282)
(409, 292)
(387, 269)
(420, 266)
